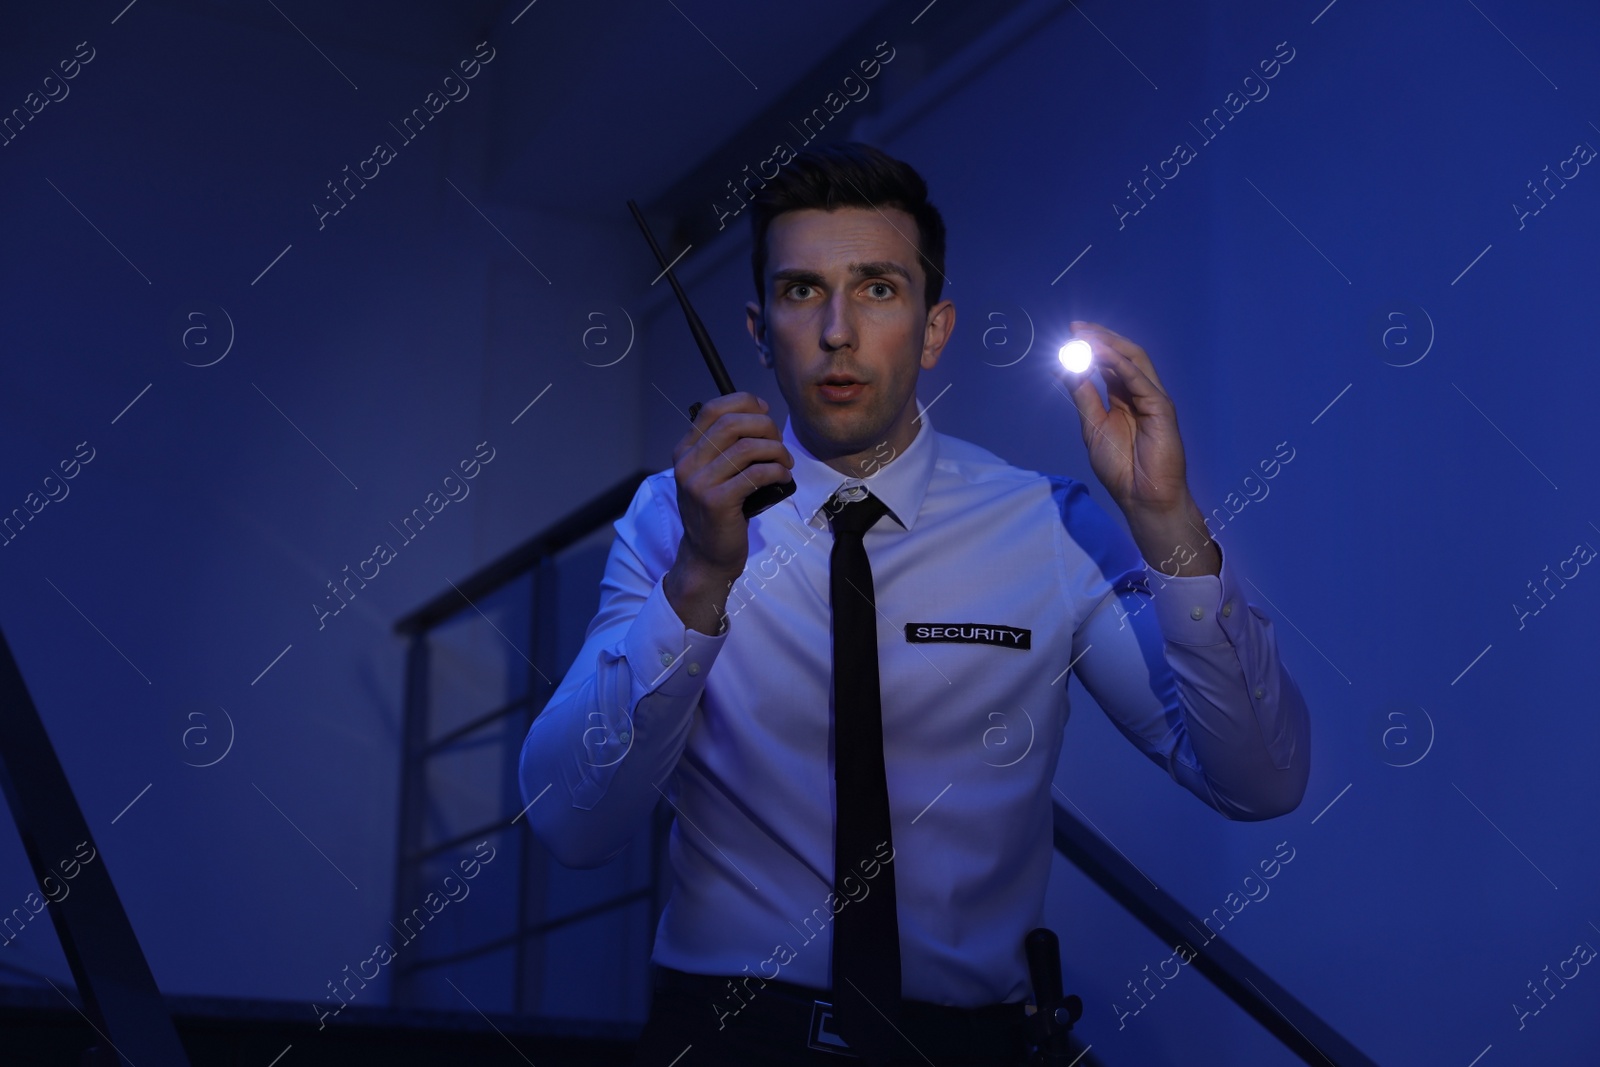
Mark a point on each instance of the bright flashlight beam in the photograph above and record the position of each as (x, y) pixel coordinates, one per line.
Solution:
(1076, 355)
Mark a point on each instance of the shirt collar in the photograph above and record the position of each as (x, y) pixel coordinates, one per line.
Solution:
(900, 481)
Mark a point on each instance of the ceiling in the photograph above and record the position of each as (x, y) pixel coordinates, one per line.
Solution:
(596, 101)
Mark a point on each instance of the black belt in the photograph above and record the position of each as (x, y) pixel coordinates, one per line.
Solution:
(995, 1030)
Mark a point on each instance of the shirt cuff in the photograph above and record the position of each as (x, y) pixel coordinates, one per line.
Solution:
(1201, 609)
(665, 655)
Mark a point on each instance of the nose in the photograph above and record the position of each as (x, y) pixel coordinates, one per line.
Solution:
(839, 326)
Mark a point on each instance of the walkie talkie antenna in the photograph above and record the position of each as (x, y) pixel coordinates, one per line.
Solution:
(767, 495)
(719, 373)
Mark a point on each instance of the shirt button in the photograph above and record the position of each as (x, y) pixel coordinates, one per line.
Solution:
(666, 659)
(694, 668)
(623, 737)
(1227, 609)
(1260, 692)
(1197, 613)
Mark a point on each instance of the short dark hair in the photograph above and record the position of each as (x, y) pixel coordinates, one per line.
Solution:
(849, 174)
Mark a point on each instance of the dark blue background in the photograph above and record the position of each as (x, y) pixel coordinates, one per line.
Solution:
(455, 288)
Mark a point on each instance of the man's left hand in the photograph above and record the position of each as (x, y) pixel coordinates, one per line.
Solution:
(1135, 450)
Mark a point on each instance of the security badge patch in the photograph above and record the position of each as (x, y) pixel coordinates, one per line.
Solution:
(979, 633)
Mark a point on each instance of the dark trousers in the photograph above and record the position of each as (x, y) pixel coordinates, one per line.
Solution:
(699, 1021)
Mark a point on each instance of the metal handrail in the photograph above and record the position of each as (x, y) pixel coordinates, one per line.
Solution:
(120, 997)
(520, 560)
(417, 748)
(1300, 1029)
(622, 900)
(444, 741)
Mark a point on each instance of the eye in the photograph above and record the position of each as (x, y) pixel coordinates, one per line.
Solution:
(888, 290)
(792, 290)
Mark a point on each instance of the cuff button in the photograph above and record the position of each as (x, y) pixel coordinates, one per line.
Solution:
(694, 668)
(1197, 613)
(666, 659)
(1227, 609)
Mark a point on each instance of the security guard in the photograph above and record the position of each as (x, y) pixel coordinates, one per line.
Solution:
(854, 701)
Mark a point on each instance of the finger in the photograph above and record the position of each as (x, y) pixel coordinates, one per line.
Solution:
(720, 488)
(729, 493)
(741, 453)
(724, 446)
(703, 416)
(1135, 387)
(732, 427)
(711, 410)
(1118, 343)
(1125, 378)
(1087, 400)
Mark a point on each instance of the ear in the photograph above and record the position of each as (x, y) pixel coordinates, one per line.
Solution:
(941, 323)
(756, 324)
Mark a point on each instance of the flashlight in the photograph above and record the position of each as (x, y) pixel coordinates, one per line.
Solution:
(1076, 355)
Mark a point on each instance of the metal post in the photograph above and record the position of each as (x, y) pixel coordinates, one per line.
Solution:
(544, 627)
(120, 996)
(413, 799)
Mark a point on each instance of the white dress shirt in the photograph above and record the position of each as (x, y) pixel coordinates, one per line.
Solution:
(736, 729)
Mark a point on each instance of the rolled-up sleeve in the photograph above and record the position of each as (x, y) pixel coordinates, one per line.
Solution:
(1189, 671)
(617, 724)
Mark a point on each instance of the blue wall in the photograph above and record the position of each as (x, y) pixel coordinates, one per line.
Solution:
(1358, 213)
(368, 362)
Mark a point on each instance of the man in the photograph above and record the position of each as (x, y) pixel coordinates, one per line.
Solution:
(860, 747)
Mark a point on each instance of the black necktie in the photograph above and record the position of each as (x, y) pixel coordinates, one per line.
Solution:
(866, 931)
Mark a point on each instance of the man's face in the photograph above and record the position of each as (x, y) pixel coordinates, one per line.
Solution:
(846, 327)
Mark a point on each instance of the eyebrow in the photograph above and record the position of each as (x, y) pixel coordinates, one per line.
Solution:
(873, 268)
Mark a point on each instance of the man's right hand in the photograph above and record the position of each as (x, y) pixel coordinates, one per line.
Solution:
(733, 449)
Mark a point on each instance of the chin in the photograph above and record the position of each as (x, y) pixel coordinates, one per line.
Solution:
(847, 430)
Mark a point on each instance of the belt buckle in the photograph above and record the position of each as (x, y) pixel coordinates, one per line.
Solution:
(822, 1036)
